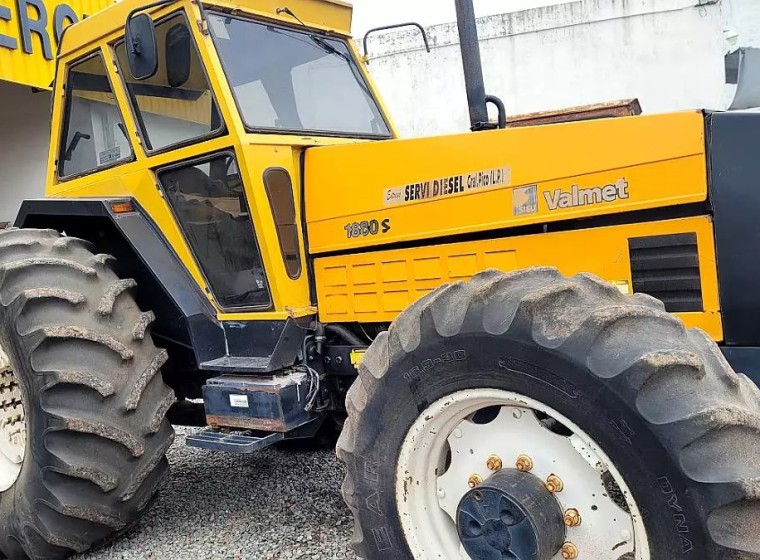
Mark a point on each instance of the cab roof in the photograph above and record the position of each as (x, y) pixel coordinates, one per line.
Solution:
(328, 15)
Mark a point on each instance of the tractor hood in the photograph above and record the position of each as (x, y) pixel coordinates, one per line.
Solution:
(378, 193)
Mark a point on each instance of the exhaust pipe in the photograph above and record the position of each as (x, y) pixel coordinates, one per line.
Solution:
(473, 70)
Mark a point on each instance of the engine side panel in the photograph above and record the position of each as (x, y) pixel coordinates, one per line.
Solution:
(376, 286)
(371, 194)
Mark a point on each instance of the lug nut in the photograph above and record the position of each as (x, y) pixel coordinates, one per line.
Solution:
(554, 484)
(569, 551)
(524, 463)
(572, 518)
(494, 463)
(474, 480)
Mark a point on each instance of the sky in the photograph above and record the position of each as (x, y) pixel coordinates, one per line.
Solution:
(373, 13)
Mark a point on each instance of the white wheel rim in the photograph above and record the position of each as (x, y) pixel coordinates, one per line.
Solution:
(427, 501)
(12, 425)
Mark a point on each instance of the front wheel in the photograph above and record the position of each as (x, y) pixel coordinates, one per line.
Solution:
(83, 429)
(531, 416)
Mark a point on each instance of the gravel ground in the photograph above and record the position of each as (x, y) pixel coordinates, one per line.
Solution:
(275, 504)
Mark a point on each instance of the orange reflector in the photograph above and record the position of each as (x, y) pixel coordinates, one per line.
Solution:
(123, 207)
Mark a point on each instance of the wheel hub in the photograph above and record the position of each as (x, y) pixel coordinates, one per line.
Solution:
(12, 425)
(510, 516)
(459, 443)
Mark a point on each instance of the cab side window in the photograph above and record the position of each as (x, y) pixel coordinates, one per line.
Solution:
(94, 135)
(176, 105)
(209, 201)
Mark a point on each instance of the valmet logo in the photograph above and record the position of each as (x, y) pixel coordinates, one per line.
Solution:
(37, 24)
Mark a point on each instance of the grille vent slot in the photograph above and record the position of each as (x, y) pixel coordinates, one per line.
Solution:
(667, 267)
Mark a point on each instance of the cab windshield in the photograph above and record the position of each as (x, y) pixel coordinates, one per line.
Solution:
(288, 80)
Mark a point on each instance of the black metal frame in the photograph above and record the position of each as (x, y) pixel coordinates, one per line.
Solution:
(473, 71)
(185, 317)
(733, 167)
(394, 26)
(186, 322)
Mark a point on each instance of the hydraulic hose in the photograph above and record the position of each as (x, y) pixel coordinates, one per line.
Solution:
(345, 334)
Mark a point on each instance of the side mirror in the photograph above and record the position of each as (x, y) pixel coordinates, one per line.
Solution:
(140, 37)
(178, 55)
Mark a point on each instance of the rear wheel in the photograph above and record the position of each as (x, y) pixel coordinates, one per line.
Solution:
(83, 434)
(529, 415)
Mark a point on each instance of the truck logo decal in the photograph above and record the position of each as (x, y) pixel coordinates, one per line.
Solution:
(447, 186)
(525, 200)
(578, 196)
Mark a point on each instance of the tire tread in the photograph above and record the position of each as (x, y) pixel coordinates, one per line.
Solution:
(584, 318)
(119, 467)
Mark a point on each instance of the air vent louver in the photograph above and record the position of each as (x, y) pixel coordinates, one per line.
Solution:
(667, 267)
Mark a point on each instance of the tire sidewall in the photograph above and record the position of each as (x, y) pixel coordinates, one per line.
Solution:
(16, 503)
(672, 515)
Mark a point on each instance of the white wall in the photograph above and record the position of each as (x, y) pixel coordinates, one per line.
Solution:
(24, 131)
(743, 17)
(668, 53)
(373, 13)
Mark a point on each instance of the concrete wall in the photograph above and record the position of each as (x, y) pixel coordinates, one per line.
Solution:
(373, 13)
(24, 131)
(668, 53)
(743, 17)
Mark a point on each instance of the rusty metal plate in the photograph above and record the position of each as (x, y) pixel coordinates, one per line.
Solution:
(624, 108)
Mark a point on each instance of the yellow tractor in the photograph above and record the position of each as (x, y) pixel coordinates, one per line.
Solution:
(525, 334)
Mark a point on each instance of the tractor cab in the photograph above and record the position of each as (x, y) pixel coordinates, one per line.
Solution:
(199, 116)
